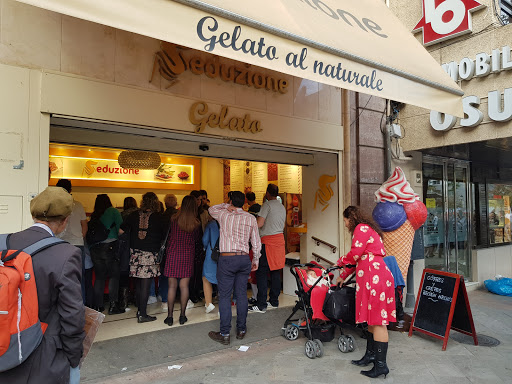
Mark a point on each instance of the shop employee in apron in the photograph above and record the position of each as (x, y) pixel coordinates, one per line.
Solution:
(271, 220)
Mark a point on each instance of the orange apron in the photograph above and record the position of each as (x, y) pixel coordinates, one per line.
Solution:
(275, 250)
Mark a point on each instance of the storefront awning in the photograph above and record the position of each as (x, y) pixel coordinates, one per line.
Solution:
(356, 45)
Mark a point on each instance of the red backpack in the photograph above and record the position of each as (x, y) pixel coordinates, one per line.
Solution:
(21, 331)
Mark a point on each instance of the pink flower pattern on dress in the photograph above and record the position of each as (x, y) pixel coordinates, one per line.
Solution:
(375, 304)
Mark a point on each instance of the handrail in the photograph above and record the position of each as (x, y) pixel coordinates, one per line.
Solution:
(318, 258)
(319, 241)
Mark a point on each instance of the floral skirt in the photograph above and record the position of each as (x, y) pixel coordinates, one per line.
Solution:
(143, 264)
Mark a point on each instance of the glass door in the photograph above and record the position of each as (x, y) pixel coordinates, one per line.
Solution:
(447, 198)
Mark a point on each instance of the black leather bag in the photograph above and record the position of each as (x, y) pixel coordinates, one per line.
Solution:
(96, 232)
(123, 251)
(340, 304)
(216, 249)
(163, 247)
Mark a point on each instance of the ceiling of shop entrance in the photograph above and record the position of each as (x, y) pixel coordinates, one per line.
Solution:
(104, 134)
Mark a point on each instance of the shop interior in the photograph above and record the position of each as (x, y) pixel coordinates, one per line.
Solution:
(95, 170)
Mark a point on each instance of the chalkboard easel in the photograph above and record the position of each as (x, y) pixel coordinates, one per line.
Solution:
(442, 305)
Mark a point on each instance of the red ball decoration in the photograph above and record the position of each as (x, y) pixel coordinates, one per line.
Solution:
(416, 213)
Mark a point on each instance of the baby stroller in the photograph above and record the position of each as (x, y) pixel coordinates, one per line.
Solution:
(317, 334)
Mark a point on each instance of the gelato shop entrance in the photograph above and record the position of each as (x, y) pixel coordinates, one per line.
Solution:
(446, 190)
(93, 169)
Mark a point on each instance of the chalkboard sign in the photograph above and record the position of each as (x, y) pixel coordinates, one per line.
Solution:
(442, 305)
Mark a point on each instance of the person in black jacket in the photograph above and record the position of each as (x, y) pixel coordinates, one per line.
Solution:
(147, 231)
(58, 273)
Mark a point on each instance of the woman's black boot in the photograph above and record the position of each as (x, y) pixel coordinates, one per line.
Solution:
(379, 365)
(114, 309)
(369, 356)
(123, 298)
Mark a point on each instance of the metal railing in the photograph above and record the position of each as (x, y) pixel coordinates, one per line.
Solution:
(319, 241)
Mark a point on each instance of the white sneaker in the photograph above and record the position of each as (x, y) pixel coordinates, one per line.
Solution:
(165, 307)
(270, 306)
(255, 308)
(152, 300)
(190, 304)
(210, 307)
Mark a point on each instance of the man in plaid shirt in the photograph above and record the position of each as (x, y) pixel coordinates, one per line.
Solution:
(237, 229)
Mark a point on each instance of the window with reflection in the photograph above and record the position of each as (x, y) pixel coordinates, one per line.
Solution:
(499, 196)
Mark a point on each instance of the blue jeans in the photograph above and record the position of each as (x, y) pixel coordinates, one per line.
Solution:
(163, 288)
(74, 375)
(232, 275)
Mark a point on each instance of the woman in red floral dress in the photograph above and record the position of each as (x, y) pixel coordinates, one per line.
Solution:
(375, 288)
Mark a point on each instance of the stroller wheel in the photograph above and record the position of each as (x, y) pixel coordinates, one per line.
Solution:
(351, 343)
(343, 344)
(291, 332)
(311, 349)
(320, 348)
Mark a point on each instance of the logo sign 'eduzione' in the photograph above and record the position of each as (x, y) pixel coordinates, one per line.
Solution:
(446, 19)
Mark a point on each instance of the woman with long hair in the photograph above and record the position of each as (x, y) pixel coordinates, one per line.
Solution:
(125, 294)
(375, 293)
(129, 206)
(104, 255)
(147, 231)
(184, 239)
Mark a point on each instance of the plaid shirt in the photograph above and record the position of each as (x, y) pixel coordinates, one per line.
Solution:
(236, 230)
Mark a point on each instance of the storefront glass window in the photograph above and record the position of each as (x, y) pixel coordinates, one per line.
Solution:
(498, 209)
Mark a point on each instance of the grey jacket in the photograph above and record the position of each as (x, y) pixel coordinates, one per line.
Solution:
(58, 273)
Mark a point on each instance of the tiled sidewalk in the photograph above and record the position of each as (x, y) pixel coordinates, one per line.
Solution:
(412, 360)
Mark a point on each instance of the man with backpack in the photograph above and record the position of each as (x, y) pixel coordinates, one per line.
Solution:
(57, 271)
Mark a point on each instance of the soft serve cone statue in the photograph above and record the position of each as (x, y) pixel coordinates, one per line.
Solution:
(399, 212)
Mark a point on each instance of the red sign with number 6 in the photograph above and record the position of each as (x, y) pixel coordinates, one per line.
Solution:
(446, 19)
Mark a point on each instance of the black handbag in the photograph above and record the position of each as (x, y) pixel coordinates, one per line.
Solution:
(123, 251)
(340, 304)
(163, 247)
(216, 249)
(97, 232)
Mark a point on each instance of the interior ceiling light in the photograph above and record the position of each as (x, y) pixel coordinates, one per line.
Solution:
(139, 160)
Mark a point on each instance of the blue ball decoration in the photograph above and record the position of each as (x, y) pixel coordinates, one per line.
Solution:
(389, 216)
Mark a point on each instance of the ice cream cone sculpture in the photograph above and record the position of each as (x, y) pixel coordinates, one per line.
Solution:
(399, 213)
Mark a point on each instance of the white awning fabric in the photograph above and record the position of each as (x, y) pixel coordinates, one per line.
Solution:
(356, 45)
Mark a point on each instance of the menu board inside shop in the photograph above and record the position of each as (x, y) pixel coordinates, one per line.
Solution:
(105, 171)
(289, 178)
(237, 175)
(259, 181)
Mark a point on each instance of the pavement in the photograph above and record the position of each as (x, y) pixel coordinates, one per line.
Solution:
(186, 354)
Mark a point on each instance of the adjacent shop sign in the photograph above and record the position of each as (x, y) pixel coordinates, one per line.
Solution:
(499, 105)
(442, 305)
(446, 19)
(200, 116)
(171, 62)
(497, 111)
(105, 172)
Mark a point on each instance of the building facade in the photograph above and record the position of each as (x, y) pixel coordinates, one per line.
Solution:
(70, 83)
(463, 165)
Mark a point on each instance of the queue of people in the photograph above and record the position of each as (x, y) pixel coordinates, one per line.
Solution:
(177, 246)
